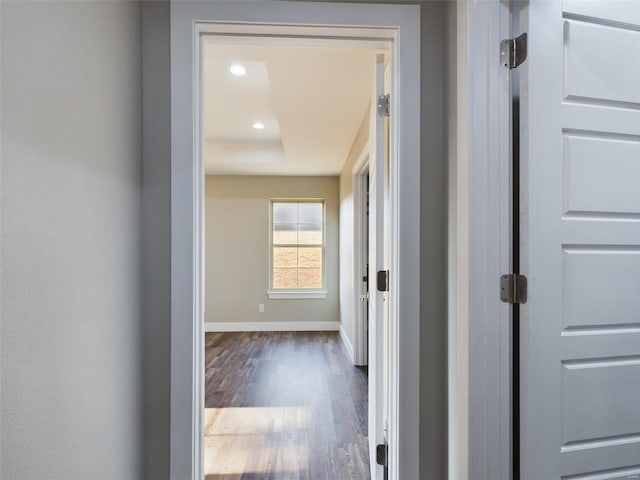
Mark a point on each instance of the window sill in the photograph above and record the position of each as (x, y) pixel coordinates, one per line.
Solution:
(296, 295)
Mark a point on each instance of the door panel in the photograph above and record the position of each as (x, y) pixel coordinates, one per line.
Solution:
(591, 383)
(588, 301)
(596, 174)
(612, 11)
(580, 241)
(592, 48)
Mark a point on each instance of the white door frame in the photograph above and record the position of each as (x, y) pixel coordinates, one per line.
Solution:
(355, 21)
(479, 245)
(360, 320)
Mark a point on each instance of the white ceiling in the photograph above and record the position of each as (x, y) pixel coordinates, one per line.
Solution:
(311, 100)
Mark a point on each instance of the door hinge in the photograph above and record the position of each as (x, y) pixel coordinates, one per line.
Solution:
(382, 452)
(384, 105)
(383, 281)
(513, 51)
(513, 288)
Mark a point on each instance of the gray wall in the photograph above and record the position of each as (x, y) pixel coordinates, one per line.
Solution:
(71, 236)
(156, 237)
(433, 247)
(237, 249)
(70, 252)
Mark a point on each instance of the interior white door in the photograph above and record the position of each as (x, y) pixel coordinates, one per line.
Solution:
(580, 240)
(377, 303)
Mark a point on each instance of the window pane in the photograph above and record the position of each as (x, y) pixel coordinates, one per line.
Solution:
(310, 234)
(285, 257)
(310, 213)
(285, 278)
(285, 234)
(285, 213)
(310, 257)
(310, 278)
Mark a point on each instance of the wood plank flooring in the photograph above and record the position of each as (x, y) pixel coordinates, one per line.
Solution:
(283, 406)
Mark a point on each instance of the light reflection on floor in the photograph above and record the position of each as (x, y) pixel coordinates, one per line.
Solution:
(255, 440)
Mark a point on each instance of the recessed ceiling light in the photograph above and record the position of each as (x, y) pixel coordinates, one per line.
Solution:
(238, 70)
(258, 125)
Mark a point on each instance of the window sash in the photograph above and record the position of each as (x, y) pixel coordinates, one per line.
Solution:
(297, 268)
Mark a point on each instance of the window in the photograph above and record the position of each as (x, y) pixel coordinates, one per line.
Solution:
(297, 249)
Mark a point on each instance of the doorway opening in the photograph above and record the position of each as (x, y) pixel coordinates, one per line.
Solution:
(286, 130)
(396, 27)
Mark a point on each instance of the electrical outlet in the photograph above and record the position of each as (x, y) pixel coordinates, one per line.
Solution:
(261, 307)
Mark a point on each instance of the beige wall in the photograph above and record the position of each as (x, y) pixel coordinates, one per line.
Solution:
(347, 274)
(237, 249)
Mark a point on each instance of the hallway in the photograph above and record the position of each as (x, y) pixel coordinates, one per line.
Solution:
(283, 405)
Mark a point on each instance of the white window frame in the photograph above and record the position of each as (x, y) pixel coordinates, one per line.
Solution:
(298, 293)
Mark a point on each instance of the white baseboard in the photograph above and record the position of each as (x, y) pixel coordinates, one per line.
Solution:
(271, 326)
(347, 345)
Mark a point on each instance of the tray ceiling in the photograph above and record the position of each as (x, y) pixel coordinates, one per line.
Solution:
(310, 100)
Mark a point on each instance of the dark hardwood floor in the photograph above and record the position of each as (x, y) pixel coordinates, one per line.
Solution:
(283, 405)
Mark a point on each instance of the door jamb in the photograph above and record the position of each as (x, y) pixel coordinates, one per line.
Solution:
(186, 211)
(360, 345)
(480, 247)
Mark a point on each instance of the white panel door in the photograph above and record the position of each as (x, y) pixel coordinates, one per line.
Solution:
(377, 304)
(580, 241)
